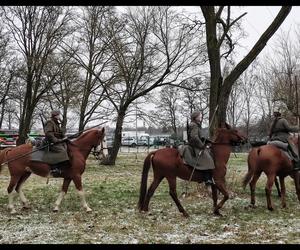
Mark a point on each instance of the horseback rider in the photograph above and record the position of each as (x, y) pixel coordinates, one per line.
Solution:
(55, 136)
(280, 131)
(204, 161)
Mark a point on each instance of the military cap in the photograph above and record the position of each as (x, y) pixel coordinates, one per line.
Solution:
(55, 113)
(195, 114)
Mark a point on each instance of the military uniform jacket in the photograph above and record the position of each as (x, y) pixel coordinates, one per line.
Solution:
(281, 130)
(53, 132)
(191, 153)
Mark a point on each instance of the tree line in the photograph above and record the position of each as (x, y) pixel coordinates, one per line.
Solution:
(104, 63)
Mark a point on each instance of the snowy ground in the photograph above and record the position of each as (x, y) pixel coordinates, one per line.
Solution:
(112, 193)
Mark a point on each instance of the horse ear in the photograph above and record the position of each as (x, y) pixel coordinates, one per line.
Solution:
(227, 126)
(102, 130)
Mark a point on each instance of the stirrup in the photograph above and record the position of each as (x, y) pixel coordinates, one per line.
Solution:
(209, 182)
(56, 172)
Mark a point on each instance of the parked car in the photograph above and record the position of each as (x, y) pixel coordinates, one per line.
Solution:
(7, 142)
(129, 141)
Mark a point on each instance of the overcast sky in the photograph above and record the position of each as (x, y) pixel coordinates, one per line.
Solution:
(256, 21)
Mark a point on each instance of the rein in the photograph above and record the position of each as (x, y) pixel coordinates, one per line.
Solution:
(227, 143)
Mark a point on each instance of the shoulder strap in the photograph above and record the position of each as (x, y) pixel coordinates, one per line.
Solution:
(273, 126)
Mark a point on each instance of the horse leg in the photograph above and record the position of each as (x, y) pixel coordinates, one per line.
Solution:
(173, 193)
(283, 191)
(63, 192)
(156, 181)
(277, 187)
(297, 183)
(252, 185)
(78, 185)
(13, 182)
(19, 190)
(268, 190)
(214, 192)
(221, 186)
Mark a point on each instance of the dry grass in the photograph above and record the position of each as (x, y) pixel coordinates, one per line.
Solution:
(112, 193)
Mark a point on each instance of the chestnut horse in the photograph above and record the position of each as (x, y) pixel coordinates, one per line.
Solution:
(167, 163)
(273, 162)
(20, 166)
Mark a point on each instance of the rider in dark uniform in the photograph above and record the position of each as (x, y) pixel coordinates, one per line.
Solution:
(280, 131)
(55, 137)
(204, 162)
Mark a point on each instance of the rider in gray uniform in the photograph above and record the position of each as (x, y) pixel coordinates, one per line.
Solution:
(280, 131)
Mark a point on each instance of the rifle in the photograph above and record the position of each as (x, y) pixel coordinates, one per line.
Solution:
(52, 143)
(41, 117)
(81, 131)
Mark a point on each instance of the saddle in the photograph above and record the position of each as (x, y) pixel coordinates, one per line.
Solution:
(283, 147)
(191, 157)
(43, 153)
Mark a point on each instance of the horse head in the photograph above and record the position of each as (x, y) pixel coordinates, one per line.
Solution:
(100, 147)
(227, 134)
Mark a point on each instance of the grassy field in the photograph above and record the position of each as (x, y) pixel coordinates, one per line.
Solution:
(112, 192)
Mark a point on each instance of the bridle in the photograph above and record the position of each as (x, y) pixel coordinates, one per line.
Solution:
(96, 151)
(232, 143)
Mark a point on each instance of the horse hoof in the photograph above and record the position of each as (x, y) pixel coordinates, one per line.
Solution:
(217, 213)
(271, 209)
(252, 206)
(185, 215)
(26, 205)
(55, 210)
(13, 211)
(88, 210)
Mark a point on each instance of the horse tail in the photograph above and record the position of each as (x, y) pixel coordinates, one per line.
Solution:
(143, 188)
(251, 166)
(3, 157)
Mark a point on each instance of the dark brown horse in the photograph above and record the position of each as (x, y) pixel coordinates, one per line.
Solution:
(273, 162)
(167, 163)
(20, 168)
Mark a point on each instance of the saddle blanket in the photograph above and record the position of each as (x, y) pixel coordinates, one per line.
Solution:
(48, 157)
(282, 146)
(199, 159)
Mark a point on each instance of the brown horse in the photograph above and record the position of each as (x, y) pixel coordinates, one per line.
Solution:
(20, 166)
(167, 163)
(273, 162)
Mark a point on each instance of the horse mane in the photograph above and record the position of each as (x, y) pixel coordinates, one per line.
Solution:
(85, 133)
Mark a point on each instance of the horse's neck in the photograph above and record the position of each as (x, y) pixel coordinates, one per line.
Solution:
(84, 146)
(221, 150)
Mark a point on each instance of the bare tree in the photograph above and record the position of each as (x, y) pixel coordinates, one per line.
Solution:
(285, 69)
(153, 48)
(64, 94)
(168, 106)
(92, 56)
(6, 75)
(217, 32)
(37, 32)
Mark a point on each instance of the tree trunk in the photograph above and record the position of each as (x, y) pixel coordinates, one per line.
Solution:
(117, 139)
(25, 125)
(214, 63)
(219, 89)
(26, 115)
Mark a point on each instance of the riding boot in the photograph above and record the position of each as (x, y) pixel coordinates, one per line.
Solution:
(296, 164)
(56, 170)
(295, 160)
(207, 176)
